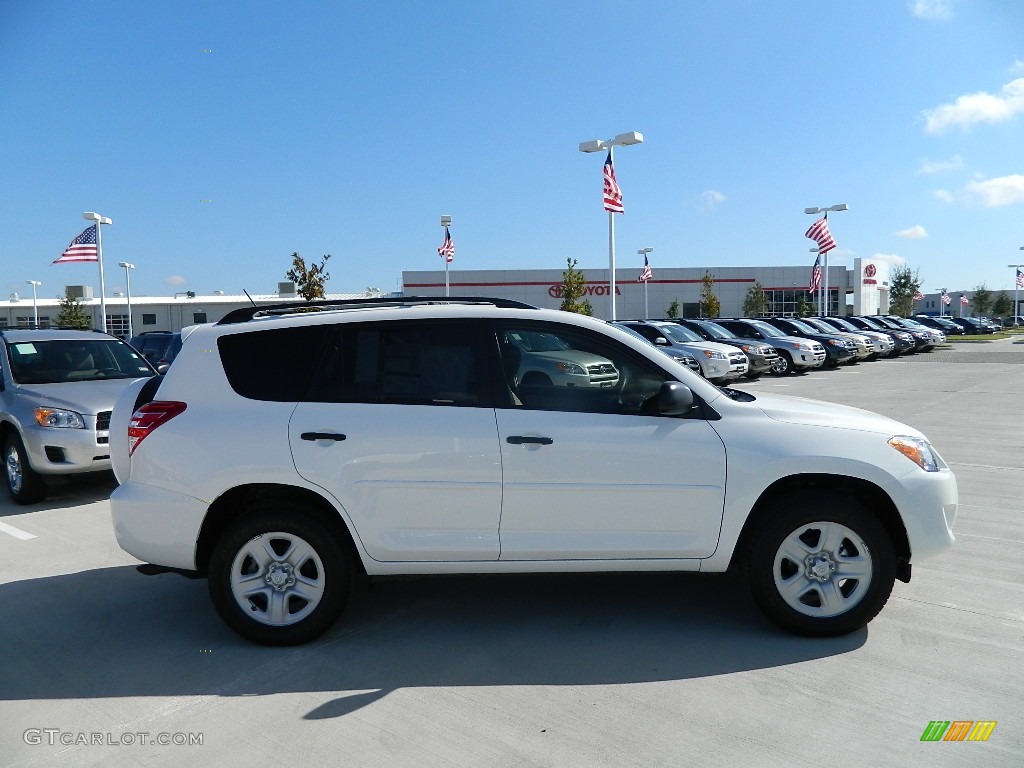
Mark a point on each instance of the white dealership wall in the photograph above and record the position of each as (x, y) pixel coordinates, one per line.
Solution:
(540, 287)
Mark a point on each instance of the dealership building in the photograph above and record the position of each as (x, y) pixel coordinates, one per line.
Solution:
(863, 290)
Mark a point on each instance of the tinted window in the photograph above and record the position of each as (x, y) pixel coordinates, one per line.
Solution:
(583, 372)
(276, 364)
(429, 363)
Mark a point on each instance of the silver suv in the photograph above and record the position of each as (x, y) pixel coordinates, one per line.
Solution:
(548, 359)
(57, 389)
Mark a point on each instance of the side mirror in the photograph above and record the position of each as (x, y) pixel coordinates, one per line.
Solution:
(674, 399)
(162, 368)
(661, 341)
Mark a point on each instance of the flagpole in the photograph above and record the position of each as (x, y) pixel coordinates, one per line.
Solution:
(611, 246)
(446, 290)
(100, 221)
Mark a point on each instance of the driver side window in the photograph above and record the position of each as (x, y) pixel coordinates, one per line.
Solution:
(550, 367)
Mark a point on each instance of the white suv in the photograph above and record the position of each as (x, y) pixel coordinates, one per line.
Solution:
(287, 449)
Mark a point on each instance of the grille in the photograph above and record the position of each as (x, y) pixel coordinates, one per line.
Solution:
(103, 420)
(601, 369)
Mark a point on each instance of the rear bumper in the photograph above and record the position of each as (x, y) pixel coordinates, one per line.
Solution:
(157, 526)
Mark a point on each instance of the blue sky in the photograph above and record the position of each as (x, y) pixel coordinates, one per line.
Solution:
(222, 136)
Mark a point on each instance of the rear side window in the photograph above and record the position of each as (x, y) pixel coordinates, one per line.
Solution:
(276, 364)
(427, 363)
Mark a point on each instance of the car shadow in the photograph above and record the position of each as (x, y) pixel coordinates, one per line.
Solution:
(64, 492)
(114, 632)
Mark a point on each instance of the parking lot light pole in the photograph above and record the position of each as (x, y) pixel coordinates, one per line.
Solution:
(599, 145)
(128, 288)
(35, 305)
(824, 283)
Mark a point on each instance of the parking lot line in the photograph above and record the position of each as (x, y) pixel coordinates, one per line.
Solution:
(16, 532)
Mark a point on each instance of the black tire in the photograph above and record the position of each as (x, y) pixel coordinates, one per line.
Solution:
(753, 376)
(324, 574)
(536, 379)
(835, 557)
(784, 365)
(24, 484)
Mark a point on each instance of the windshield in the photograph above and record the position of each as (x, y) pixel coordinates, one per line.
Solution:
(846, 326)
(717, 331)
(819, 325)
(64, 360)
(803, 326)
(767, 330)
(679, 333)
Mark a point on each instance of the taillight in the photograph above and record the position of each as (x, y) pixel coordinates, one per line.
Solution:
(149, 417)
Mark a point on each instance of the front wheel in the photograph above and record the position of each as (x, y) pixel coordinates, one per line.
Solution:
(783, 364)
(24, 484)
(820, 565)
(278, 576)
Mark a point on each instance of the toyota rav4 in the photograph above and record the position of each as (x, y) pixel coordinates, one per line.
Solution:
(289, 448)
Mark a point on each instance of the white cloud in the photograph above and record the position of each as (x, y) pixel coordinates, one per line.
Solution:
(175, 280)
(889, 258)
(1017, 68)
(916, 232)
(943, 194)
(933, 10)
(929, 167)
(710, 200)
(997, 192)
(980, 107)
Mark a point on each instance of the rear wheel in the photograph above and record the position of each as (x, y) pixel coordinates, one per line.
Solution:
(821, 565)
(278, 576)
(24, 484)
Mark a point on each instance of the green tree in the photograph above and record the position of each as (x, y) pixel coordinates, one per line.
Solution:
(574, 288)
(804, 308)
(309, 281)
(710, 306)
(673, 309)
(903, 284)
(982, 300)
(1003, 305)
(71, 314)
(755, 303)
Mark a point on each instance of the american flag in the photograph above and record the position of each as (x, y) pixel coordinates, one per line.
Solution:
(963, 299)
(945, 298)
(918, 295)
(818, 232)
(447, 249)
(646, 274)
(82, 248)
(815, 275)
(1020, 279)
(612, 193)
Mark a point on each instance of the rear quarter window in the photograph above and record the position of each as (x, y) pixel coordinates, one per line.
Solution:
(275, 365)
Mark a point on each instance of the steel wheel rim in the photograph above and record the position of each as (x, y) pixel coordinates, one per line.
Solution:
(822, 569)
(13, 464)
(277, 579)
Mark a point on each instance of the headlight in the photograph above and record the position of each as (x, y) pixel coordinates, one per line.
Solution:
(917, 450)
(56, 417)
(714, 355)
(837, 343)
(571, 368)
(804, 347)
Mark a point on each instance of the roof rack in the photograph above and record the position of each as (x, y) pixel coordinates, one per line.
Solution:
(248, 313)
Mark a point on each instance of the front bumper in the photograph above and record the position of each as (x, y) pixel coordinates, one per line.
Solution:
(55, 451)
